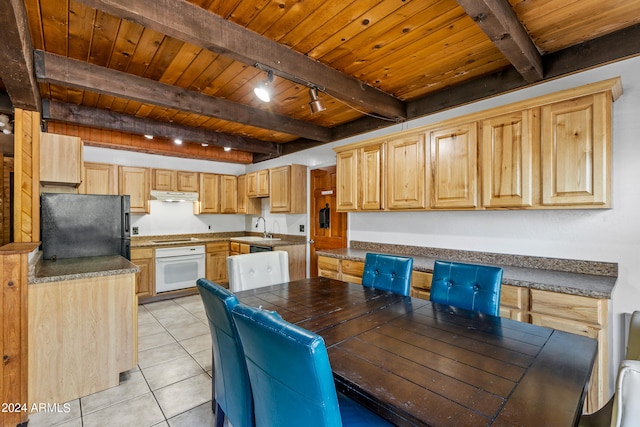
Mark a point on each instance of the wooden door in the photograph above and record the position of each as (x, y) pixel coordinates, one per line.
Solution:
(323, 193)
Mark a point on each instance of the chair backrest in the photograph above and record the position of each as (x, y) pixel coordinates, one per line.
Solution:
(232, 386)
(388, 273)
(626, 407)
(469, 286)
(289, 370)
(250, 271)
(633, 341)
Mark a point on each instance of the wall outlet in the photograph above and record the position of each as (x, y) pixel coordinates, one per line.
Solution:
(302, 228)
(134, 231)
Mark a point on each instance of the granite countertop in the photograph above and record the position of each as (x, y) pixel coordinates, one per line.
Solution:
(202, 239)
(589, 285)
(46, 271)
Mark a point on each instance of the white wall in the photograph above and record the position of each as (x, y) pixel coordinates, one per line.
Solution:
(611, 235)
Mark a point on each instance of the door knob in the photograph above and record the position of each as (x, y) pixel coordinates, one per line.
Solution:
(311, 242)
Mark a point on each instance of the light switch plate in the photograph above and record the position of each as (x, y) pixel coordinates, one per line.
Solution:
(302, 228)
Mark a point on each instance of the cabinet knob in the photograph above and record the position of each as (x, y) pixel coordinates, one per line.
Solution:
(5, 359)
(10, 283)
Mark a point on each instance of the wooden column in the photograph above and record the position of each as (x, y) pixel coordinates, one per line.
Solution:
(26, 189)
(14, 260)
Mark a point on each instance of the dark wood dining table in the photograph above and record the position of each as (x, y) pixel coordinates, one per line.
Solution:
(425, 364)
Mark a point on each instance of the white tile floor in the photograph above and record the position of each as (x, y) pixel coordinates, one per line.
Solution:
(171, 385)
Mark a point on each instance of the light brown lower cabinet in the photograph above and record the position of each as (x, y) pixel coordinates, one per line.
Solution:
(84, 331)
(145, 279)
(570, 313)
(216, 263)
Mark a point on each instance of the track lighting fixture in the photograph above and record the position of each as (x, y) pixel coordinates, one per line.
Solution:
(5, 124)
(315, 104)
(263, 90)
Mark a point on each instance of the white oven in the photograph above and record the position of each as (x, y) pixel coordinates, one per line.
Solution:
(179, 267)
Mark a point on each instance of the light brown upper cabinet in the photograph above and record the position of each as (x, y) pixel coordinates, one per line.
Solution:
(359, 175)
(171, 180)
(258, 183)
(406, 174)
(576, 151)
(60, 159)
(164, 180)
(99, 178)
(228, 194)
(509, 146)
(209, 194)
(245, 204)
(187, 181)
(453, 166)
(136, 183)
(288, 189)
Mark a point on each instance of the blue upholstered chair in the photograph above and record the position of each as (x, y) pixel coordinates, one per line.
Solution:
(469, 286)
(388, 273)
(231, 386)
(291, 376)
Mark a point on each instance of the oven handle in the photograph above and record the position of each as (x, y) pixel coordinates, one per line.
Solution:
(169, 259)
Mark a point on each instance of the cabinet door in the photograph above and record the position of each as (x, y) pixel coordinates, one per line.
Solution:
(252, 184)
(263, 183)
(228, 194)
(351, 271)
(164, 180)
(136, 183)
(60, 159)
(216, 263)
(280, 189)
(370, 165)
(145, 279)
(99, 178)
(406, 175)
(347, 180)
(508, 159)
(246, 205)
(187, 181)
(454, 173)
(209, 193)
(576, 151)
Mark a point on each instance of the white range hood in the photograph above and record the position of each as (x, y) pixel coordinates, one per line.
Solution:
(174, 196)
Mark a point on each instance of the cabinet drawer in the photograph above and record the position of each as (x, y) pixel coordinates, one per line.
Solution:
(421, 281)
(574, 307)
(514, 296)
(217, 247)
(352, 268)
(141, 253)
(420, 293)
(328, 264)
(234, 246)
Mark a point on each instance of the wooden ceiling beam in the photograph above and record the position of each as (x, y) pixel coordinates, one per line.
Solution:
(16, 58)
(104, 119)
(500, 23)
(72, 73)
(190, 23)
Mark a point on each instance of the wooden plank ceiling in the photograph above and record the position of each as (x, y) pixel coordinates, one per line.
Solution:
(187, 69)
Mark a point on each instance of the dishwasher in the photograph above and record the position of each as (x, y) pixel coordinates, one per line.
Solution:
(179, 267)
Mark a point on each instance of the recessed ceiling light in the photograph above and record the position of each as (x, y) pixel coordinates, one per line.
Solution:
(149, 136)
(204, 144)
(178, 141)
(227, 148)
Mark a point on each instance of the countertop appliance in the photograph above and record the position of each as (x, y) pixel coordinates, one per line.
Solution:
(179, 267)
(84, 225)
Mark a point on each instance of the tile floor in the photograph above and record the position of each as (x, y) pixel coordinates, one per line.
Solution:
(171, 385)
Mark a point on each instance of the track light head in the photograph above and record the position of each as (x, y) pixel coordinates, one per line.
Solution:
(263, 90)
(315, 104)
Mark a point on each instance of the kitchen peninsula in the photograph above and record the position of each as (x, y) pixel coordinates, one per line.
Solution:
(83, 318)
(569, 295)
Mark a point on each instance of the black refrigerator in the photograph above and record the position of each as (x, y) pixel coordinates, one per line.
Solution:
(79, 225)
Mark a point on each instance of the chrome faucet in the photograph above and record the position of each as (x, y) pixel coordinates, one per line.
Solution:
(264, 222)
